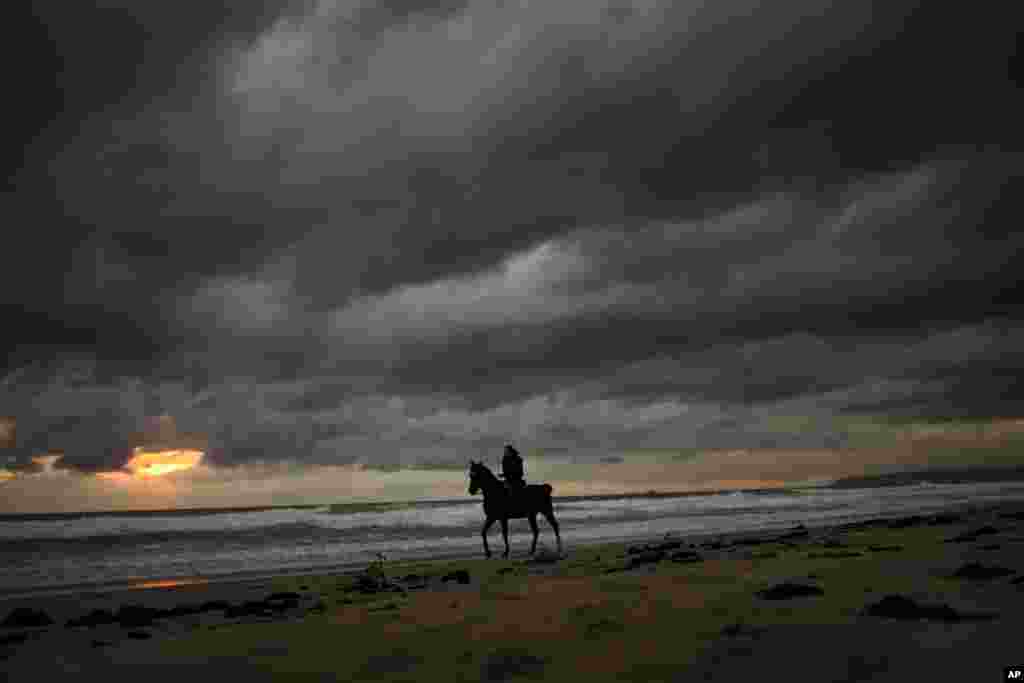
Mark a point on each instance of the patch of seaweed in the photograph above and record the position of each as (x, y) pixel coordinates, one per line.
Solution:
(902, 607)
(975, 571)
(787, 590)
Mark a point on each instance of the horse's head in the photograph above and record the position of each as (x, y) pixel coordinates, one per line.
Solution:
(479, 476)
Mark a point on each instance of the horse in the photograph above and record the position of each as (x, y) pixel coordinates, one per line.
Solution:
(502, 504)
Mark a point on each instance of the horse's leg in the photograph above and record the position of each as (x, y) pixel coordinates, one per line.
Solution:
(487, 527)
(535, 530)
(549, 514)
(505, 535)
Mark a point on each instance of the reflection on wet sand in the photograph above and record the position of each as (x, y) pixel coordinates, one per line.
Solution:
(168, 583)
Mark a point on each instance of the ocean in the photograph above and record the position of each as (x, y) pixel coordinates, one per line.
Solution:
(57, 552)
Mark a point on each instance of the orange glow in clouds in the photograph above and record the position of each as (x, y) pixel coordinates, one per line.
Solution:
(155, 463)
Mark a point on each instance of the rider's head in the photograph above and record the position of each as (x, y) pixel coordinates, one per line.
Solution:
(509, 450)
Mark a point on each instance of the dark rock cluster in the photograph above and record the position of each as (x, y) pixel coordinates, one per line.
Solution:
(739, 628)
(787, 590)
(509, 663)
(654, 547)
(834, 554)
(939, 519)
(973, 535)
(15, 638)
(459, 575)
(369, 584)
(799, 531)
(685, 556)
(646, 557)
(140, 616)
(902, 607)
(975, 571)
(26, 617)
(749, 541)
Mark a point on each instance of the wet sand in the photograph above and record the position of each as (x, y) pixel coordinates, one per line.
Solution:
(927, 597)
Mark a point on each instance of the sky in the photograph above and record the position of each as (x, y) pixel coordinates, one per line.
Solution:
(265, 252)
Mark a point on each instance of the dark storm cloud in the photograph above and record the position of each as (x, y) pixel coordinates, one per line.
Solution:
(838, 273)
(474, 205)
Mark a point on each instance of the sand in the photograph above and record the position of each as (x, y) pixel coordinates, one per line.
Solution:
(655, 609)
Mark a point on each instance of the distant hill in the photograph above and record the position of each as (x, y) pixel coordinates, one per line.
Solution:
(958, 475)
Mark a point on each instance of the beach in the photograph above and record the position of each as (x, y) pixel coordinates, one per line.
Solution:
(934, 596)
(95, 552)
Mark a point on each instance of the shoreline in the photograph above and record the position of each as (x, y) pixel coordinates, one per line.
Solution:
(679, 608)
(156, 585)
(138, 585)
(698, 591)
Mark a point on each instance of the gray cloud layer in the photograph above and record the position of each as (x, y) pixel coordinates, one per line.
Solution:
(394, 232)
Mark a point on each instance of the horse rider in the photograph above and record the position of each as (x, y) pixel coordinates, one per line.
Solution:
(512, 468)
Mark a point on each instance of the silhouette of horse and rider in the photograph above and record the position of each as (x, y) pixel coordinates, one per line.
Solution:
(511, 499)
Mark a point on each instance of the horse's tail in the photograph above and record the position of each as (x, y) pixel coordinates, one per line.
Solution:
(549, 503)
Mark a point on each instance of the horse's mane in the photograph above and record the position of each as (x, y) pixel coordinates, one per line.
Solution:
(486, 469)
